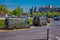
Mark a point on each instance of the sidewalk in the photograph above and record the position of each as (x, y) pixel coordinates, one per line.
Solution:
(3, 30)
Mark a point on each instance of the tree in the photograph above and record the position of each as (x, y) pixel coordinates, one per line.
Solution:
(39, 14)
(48, 14)
(35, 8)
(3, 8)
(28, 13)
(34, 14)
(56, 14)
(17, 11)
(9, 12)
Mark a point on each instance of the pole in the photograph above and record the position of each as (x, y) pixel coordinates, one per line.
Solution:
(47, 33)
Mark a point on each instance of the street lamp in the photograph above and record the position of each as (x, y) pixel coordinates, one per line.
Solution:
(48, 31)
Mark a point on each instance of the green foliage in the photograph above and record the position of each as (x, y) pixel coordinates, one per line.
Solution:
(39, 14)
(4, 8)
(34, 14)
(48, 14)
(51, 14)
(28, 14)
(17, 11)
(30, 21)
(2, 23)
(56, 14)
(9, 12)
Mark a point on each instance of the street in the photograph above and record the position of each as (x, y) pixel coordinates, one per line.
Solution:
(38, 33)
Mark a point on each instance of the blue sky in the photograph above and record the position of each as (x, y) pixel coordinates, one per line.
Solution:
(26, 4)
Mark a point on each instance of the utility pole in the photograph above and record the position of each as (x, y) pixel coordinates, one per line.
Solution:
(48, 31)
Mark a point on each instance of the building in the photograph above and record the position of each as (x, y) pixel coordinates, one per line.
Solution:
(1, 13)
(49, 8)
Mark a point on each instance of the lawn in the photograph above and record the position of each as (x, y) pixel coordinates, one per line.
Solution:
(2, 23)
(30, 21)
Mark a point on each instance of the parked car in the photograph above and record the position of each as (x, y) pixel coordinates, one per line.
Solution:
(57, 18)
(39, 21)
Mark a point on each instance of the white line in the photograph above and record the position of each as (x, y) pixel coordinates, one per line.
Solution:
(57, 37)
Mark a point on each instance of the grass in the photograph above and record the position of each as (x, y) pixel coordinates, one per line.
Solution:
(2, 23)
(30, 21)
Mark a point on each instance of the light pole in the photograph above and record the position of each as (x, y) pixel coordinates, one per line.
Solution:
(48, 31)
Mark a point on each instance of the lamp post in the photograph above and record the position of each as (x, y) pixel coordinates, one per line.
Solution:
(48, 31)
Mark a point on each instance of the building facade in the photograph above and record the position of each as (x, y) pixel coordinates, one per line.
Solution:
(49, 8)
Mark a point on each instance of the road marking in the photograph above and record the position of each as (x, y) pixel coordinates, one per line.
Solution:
(57, 37)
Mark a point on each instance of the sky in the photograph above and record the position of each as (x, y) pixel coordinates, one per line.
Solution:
(26, 4)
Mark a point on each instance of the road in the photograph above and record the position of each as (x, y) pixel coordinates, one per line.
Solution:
(39, 33)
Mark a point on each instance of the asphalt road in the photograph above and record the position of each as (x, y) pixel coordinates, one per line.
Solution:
(39, 33)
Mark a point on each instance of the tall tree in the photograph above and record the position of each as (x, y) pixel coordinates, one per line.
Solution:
(35, 8)
(17, 11)
(3, 8)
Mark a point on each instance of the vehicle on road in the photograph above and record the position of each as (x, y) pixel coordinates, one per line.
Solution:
(39, 21)
(57, 18)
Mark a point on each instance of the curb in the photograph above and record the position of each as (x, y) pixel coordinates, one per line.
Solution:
(2, 30)
(5, 30)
